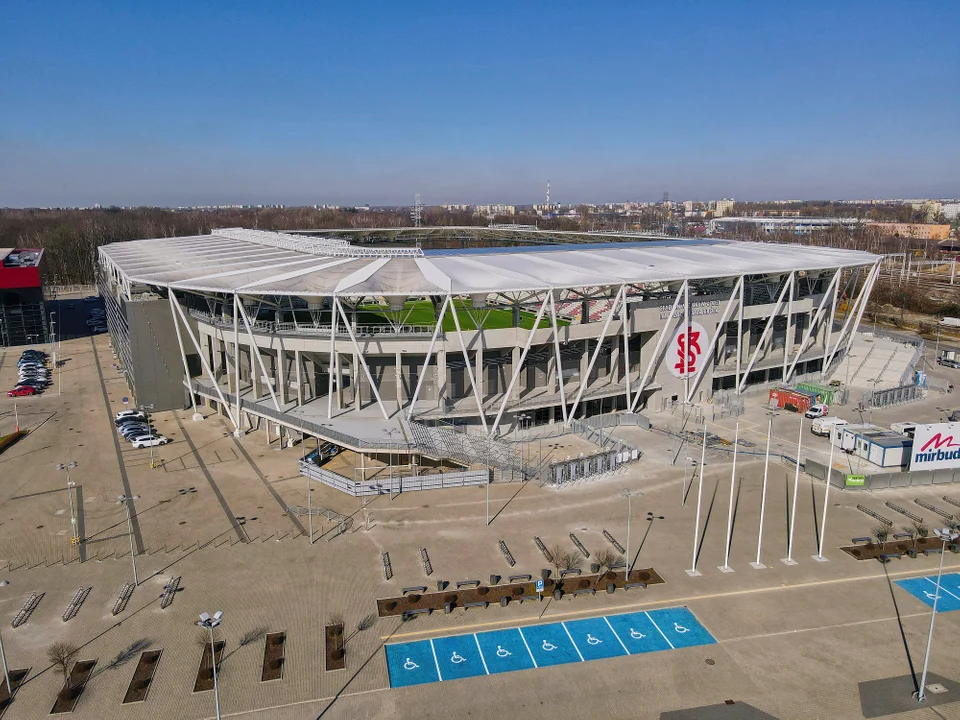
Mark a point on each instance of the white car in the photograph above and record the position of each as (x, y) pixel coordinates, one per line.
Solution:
(128, 413)
(145, 441)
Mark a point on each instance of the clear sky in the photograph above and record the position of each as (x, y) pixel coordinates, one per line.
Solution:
(169, 103)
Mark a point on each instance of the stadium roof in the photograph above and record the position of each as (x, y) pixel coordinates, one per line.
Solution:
(260, 262)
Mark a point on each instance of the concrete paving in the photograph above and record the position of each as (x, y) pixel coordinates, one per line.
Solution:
(793, 641)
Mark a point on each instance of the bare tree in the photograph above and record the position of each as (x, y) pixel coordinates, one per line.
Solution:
(60, 655)
(556, 557)
(571, 560)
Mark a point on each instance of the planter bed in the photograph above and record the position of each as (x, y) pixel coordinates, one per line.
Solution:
(273, 656)
(69, 696)
(873, 551)
(16, 680)
(205, 671)
(335, 655)
(142, 677)
(388, 607)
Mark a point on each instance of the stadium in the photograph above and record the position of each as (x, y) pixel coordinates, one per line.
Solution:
(377, 340)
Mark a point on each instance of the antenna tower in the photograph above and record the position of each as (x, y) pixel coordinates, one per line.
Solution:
(417, 213)
(548, 193)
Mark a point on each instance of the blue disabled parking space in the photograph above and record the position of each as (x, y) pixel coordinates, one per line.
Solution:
(504, 650)
(638, 633)
(680, 627)
(925, 589)
(550, 644)
(595, 639)
(499, 651)
(458, 657)
(411, 664)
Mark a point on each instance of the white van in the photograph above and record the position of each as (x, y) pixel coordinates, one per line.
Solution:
(824, 426)
(817, 411)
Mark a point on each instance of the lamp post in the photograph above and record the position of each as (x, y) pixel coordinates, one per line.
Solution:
(210, 622)
(826, 502)
(145, 409)
(125, 501)
(693, 572)
(73, 516)
(3, 655)
(788, 560)
(733, 482)
(683, 493)
(629, 494)
(946, 535)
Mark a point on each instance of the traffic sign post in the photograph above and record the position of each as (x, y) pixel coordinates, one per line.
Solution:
(125, 401)
(540, 589)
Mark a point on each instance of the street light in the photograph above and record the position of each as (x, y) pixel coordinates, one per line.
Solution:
(73, 516)
(683, 494)
(145, 409)
(3, 655)
(772, 412)
(946, 535)
(210, 623)
(629, 494)
(125, 501)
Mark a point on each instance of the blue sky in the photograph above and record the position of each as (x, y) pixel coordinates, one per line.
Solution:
(247, 102)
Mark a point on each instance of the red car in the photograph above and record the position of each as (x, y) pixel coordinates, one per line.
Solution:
(21, 391)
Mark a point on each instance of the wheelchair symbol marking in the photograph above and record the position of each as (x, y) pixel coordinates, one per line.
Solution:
(503, 653)
(410, 665)
(677, 627)
(591, 640)
(636, 634)
(457, 659)
(548, 646)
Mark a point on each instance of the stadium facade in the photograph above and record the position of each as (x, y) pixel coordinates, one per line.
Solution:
(352, 341)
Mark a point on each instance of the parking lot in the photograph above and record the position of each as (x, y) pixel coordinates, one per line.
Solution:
(222, 515)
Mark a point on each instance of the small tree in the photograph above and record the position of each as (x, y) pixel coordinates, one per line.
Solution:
(556, 557)
(605, 558)
(571, 560)
(60, 654)
(880, 532)
(920, 528)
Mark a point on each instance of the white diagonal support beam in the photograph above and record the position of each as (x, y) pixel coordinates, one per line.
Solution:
(787, 286)
(625, 327)
(174, 304)
(638, 393)
(865, 299)
(333, 361)
(466, 360)
(559, 360)
(831, 289)
(854, 311)
(426, 362)
(183, 356)
(255, 349)
(523, 356)
(236, 355)
(593, 359)
(708, 357)
(363, 362)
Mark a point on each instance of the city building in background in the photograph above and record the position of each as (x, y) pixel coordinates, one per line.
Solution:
(22, 309)
(915, 231)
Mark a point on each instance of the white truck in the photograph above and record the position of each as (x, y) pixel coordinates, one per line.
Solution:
(950, 322)
(824, 426)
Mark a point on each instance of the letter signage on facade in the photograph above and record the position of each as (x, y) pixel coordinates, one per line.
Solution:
(935, 447)
(686, 351)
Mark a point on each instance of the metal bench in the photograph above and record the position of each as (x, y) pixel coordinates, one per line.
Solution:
(415, 589)
(573, 571)
(903, 536)
(861, 540)
(467, 584)
(887, 557)
(520, 578)
(585, 591)
(479, 603)
(641, 585)
(524, 598)
(932, 551)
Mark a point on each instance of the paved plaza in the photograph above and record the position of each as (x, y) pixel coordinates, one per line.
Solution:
(217, 512)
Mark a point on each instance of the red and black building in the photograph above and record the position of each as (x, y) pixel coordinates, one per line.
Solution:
(22, 310)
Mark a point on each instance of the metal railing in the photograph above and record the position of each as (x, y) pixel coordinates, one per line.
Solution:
(288, 328)
(322, 246)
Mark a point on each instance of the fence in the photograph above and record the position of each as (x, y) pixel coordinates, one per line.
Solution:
(579, 468)
(271, 327)
(893, 396)
(395, 485)
(880, 481)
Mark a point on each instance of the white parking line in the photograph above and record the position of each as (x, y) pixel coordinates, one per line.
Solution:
(564, 626)
(607, 621)
(660, 631)
(434, 651)
(523, 637)
(485, 669)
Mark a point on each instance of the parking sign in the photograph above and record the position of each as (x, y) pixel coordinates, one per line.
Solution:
(540, 585)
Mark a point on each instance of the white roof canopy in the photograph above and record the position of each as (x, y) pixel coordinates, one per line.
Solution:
(260, 262)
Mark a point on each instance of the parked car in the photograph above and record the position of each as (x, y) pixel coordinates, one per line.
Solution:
(22, 390)
(129, 432)
(145, 441)
(127, 413)
(128, 427)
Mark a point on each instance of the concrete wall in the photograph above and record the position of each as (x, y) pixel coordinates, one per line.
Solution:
(158, 367)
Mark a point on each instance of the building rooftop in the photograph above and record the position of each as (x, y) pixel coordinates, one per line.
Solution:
(260, 262)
